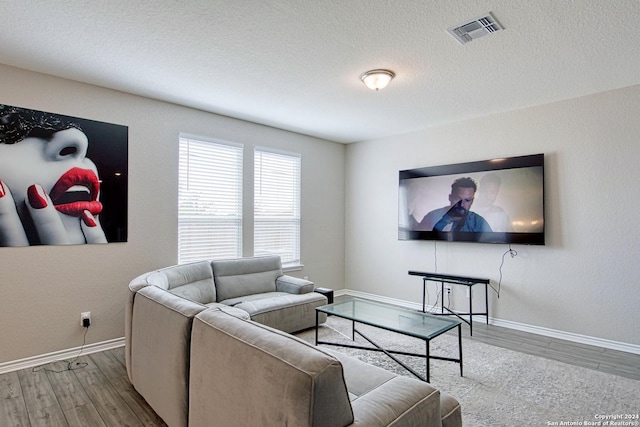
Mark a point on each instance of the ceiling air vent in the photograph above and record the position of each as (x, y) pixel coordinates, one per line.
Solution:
(475, 28)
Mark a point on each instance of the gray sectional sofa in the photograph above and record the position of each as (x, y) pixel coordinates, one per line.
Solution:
(213, 364)
(254, 285)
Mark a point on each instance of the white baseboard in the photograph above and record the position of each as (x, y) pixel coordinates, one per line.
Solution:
(31, 362)
(553, 333)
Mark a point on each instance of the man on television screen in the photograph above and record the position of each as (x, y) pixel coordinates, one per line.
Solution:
(456, 216)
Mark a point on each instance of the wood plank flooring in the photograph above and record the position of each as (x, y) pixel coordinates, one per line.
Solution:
(97, 392)
(91, 391)
(587, 356)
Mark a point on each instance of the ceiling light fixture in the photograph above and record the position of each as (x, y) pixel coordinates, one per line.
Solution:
(377, 79)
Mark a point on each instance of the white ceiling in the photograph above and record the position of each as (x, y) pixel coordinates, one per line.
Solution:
(295, 64)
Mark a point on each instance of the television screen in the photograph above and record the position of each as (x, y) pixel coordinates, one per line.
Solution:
(490, 201)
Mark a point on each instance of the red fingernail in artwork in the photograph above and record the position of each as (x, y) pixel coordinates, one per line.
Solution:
(88, 219)
(37, 198)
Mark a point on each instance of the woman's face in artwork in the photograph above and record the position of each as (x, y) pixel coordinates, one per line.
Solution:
(38, 161)
(58, 164)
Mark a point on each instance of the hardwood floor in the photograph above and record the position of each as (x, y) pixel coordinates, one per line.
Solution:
(587, 356)
(99, 393)
(94, 392)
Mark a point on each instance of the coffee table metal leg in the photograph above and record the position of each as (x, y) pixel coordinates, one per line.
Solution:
(427, 361)
(317, 312)
(460, 347)
(486, 301)
(470, 313)
(424, 295)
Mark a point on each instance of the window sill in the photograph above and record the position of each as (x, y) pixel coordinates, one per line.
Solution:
(292, 267)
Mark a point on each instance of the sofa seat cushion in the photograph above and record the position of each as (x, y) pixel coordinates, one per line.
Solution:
(281, 310)
(230, 310)
(380, 398)
(271, 301)
(253, 297)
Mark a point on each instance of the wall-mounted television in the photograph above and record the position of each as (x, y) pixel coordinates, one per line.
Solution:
(489, 201)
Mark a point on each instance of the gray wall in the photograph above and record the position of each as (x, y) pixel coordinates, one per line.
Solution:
(44, 289)
(580, 283)
(583, 282)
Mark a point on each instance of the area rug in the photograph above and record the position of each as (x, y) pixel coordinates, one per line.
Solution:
(500, 387)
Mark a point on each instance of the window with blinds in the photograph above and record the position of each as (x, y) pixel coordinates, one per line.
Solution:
(209, 200)
(277, 205)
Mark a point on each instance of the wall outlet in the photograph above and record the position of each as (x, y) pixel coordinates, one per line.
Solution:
(447, 289)
(85, 319)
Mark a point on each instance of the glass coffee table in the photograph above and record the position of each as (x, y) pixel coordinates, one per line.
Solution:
(397, 319)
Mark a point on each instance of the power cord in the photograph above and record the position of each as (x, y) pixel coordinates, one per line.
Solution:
(435, 268)
(439, 297)
(513, 254)
(72, 365)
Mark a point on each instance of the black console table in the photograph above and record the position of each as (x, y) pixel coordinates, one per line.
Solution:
(455, 280)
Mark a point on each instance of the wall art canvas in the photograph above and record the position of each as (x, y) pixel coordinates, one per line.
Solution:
(63, 180)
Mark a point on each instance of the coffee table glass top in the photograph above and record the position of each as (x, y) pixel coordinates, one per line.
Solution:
(402, 320)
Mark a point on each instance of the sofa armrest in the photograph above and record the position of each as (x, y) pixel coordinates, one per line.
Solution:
(402, 402)
(293, 285)
(380, 397)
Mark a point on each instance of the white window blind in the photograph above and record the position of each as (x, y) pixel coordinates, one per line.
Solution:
(277, 205)
(209, 201)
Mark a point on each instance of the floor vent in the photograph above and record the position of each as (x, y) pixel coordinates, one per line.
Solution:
(475, 28)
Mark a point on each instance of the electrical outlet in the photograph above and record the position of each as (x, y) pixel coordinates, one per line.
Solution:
(85, 319)
(447, 290)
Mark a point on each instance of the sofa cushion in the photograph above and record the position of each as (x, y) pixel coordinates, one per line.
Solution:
(247, 374)
(193, 281)
(281, 310)
(231, 310)
(381, 398)
(245, 276)
(450, 410)
(234, 302)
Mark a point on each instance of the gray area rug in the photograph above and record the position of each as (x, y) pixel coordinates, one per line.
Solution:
(500, 387)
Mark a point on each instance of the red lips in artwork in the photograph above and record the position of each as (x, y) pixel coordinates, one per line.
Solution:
(76, 192)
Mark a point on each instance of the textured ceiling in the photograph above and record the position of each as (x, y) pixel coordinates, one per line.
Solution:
(294, 64)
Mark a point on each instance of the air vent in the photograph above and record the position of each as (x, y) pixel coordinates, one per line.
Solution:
(475, 28)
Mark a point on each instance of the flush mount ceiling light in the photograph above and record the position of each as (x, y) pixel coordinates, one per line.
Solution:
(377, 79)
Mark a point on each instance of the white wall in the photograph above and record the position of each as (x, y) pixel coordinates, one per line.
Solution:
(584, 281)
(44, 289)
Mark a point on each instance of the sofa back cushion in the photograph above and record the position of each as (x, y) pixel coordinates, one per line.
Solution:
(193, 281)
(245, 276)
(270, 378)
